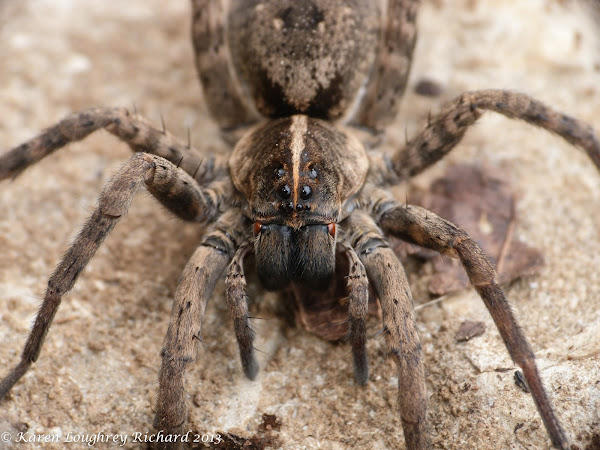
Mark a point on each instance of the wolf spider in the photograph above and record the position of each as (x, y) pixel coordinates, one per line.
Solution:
(302, 89)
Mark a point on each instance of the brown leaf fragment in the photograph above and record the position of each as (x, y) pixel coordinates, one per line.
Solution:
(21, 427)
(429, 88)
(479, 200)
(270, 423)
(469, 329)
(325, 313)
(520, 381)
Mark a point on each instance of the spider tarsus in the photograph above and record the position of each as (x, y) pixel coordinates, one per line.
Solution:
(415, 435)
(14, 376)
(361, 366)
(249, 363)
(534, 383)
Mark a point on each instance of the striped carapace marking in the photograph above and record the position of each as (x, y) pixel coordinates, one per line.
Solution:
(298, 129)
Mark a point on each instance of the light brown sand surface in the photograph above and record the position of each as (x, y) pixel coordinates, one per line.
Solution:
(98, 368)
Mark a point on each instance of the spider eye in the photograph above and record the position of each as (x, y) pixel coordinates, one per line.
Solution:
(279, 173)
(285, 192)
(305, 192)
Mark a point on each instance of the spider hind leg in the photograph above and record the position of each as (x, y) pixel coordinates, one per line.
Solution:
(424, 228)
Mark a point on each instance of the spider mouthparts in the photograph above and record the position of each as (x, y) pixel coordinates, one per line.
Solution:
(331, 229)
(257, 228)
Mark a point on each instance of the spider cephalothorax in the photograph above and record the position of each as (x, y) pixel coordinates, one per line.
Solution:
(296, 195)
(298, 85)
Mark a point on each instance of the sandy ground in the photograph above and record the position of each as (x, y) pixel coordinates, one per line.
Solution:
(98, 369)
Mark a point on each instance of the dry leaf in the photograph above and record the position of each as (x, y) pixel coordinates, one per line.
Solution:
(481, 202)
(469, 329)
(478, 200)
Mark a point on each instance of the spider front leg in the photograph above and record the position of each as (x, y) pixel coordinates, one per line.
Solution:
(133, 129)
(238, 307)
(184, 333)
(358, 309)
(419, 226)
(388, 278)
(445, 130)
(358, 305)
(173, 187)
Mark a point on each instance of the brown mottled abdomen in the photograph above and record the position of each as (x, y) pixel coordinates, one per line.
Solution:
(303, 57)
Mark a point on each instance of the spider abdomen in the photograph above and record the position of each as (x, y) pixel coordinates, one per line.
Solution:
(307, 57)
